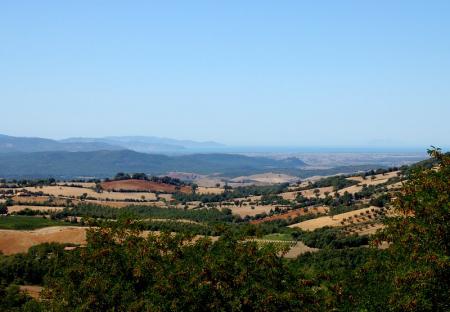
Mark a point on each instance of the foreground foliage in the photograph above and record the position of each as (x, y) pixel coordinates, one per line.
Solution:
(120, 270)
(419, 254)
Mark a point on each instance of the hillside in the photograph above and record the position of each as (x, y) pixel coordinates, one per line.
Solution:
(108, 163)
(317, 233)
(143, 185)
(141, 144)
(149, 144)
(9, 144)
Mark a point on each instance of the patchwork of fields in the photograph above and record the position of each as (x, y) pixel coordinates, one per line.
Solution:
(307, 206)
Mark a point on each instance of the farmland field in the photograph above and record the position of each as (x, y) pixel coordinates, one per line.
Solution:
(336, 220)
(142, 185)
(14, 241)
(66, 191)
(25, 222)
(18, 208)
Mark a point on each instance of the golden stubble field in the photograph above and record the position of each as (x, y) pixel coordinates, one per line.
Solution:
(323, 191)
(64, 200)
(67, 191)
(251, 210)
(18, 208)
(14, 241)
(332, 221)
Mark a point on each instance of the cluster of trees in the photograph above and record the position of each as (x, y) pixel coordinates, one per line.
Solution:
(232, 193)
(344, 279)
(3, 209)
(140, 212)
(346, 199)
(273, 199)
(30, 268)
(335, 210)
(28, 182)
(368, 191)
(382, 171)
(419, 255)
(328, 237)
(25, 222)
(122, 271)
(28, 212)
(143, 176)
(337, 182)
(380, 201)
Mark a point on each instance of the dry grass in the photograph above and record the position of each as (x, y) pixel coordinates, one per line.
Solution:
(266, 178)
(16, 208)
(369, 229)
(40, 199)
(62, 201)
(210, 190)
(33, 291)
(322, 190)
(143, 185)
(336, 220)
(65, 191)
(12, 241)
(293, 214)
(395, 186)
(289, 195)
(248, 211)
(299, 249)
(379, 178)
(351, 189)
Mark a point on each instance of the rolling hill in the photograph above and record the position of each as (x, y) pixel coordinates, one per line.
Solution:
(107, 163)
(143, 144)
(11, 144)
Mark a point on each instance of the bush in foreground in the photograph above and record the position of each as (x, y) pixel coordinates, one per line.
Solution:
(120, 270)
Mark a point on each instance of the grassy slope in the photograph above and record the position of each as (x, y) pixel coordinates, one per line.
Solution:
(25, 223)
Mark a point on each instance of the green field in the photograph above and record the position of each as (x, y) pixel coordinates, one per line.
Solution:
(25, 222)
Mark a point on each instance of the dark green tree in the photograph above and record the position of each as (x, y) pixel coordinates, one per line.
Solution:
(418, 234)
(120, 270)
(3, 209)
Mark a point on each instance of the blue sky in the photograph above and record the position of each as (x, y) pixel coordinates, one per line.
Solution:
(297, 73)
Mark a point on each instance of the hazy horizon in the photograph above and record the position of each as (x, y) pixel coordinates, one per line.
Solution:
(262, 149)
(344, 74)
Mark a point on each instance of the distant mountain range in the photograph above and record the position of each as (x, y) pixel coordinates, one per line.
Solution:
(100, 164)
(22, 157)
(103, 157)
(10, 144)
(147, 144)
(142, 144)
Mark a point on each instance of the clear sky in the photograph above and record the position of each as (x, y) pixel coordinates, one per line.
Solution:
(350, 73)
